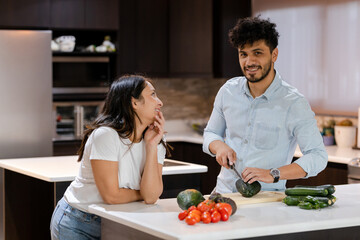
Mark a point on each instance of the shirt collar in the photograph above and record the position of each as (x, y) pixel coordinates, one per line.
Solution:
(269, 91)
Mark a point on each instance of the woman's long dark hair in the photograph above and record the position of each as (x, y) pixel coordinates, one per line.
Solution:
(118, 112)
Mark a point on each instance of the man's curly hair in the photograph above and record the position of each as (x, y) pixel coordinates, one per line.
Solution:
(249, 30)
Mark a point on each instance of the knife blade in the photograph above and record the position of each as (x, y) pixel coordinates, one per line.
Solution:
(233, 168)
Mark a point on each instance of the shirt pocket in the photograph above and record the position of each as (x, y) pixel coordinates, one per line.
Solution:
(266, 136)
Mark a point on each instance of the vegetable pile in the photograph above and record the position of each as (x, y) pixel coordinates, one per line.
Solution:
(310, 197)
(211, 210)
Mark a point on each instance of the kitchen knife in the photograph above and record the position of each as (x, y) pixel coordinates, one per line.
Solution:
(233, 168)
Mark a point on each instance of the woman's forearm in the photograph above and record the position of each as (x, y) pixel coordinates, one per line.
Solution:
(123, 195)
(151, 185)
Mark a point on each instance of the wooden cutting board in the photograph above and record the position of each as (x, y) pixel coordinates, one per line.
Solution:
(261, 197)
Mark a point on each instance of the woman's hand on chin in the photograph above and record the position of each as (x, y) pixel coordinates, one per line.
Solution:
(155, 131)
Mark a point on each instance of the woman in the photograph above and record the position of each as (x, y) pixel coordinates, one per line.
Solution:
(121, 159)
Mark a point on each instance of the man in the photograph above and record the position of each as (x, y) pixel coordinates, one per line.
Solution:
(258, 119)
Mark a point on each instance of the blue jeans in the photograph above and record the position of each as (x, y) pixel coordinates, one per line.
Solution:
(69, 223)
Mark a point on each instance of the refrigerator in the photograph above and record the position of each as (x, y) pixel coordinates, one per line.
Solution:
(25, 97)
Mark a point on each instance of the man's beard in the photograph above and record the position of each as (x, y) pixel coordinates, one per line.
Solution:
(265, 73)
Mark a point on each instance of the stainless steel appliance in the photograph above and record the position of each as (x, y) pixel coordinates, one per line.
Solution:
(71, 118)
(25, 99)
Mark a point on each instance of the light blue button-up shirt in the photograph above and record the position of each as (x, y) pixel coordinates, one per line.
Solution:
(264, 131)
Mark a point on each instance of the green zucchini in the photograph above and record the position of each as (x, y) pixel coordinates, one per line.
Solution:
(331, 188)
(315, 200)
(246, 189)
(305, 205)
(304, 191)
(332, 198)
(323, 205)
(295, 200)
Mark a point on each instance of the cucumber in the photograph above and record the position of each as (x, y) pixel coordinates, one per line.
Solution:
(315, 200)
(304, 191)
(309, 205)
(295, 200)
(323, 205)
(331, 188)
(332, 198)
(305, 205)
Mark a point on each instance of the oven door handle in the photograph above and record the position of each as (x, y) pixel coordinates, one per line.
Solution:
(79, 121)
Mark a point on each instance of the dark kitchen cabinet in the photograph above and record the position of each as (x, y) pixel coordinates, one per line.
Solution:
(67, 14)
(143, 41)
(334, 173)
(85, 14)
(24, 13)
(190, 39)
(191, 152)
(66, 148)
(226, 13)
(100, 14)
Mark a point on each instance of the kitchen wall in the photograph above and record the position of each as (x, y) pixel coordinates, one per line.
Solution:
(187, 98)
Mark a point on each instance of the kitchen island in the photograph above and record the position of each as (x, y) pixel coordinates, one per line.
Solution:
(256, 221)
(33, 186)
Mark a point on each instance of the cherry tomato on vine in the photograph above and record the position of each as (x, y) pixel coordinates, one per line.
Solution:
(212, 210)
(224, 214)
(190, 220)
(191, 208)
(206, 205)
(183, 215)
(195, 214)
(215, 216)
(206, 217)
(227, 207)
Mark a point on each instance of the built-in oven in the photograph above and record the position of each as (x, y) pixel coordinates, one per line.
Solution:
(82, 74)
(71, 118)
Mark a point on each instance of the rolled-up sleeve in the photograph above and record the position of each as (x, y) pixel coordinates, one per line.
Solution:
(216, 125)
(303, 127)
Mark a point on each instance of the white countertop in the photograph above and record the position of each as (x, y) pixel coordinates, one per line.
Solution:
(254, 220)
(65, 168)
(181, 131)
(336, 154)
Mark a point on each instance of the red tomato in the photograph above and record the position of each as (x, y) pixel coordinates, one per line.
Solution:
(211, 203)
(218, 205)
(195, 214)
(203, 207)
(212, 210)
(228, 208)
(195, 211)
(215, 216)
(190, 220)
(206, 217)
(224, 214)
(206, 205)
(191, 208)
(183, 215)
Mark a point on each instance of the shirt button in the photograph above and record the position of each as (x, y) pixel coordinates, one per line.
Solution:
(249, 124)
(245, 141)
